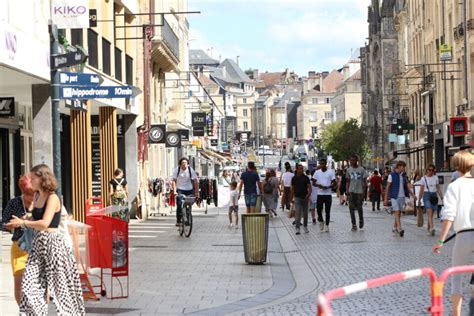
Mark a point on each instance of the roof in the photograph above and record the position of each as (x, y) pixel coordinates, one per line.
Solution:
(206, 81)
(332, 81)
(356, 76)
(287, 97)
(233, 70)
(270, 78)
(199, 57)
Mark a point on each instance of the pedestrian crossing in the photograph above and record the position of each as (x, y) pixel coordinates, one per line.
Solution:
(151, 228)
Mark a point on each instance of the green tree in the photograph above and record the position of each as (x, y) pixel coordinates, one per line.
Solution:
(344, 138)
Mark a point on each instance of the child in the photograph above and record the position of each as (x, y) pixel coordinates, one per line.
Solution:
(234, 204)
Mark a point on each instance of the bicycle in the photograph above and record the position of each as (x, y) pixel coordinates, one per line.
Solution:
(186, 226)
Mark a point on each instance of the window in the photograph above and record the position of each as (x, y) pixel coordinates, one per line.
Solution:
(314, 101)
(128, 70)
(313, 116)
(328, 100)
(106, 56)
(246, 126)
(327, 115)
(118, 64)
(244, 100)
(314, 131)
(245, 112)
(92, 48)
(76, 37)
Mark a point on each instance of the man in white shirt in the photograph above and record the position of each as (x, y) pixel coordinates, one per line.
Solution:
(185, 181)
(324, 179)
(286, 186)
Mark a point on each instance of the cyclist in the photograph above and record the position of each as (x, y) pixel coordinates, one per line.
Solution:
(185, 182)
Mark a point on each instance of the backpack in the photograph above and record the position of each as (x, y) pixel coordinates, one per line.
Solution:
(267, 187)
(119, 192)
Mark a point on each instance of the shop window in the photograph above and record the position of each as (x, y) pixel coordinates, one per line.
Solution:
(92, 46)
(106, 56)
(118, 64)
(129, 69)
(77, 37)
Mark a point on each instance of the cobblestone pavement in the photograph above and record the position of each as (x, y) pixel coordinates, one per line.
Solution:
(206, 274)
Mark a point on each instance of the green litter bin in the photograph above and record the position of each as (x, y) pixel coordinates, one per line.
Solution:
(255, 236)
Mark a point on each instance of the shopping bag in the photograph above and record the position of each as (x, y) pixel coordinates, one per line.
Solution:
(419, 215)
(258, 206)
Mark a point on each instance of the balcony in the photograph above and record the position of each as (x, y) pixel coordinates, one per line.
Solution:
(165, 51)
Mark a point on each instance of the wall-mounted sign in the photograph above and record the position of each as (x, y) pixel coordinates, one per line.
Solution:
(173, 139)
(157, 133)
(184, 135)
(7, 107)
(198, 130)
(67, 14)
(198, 119)
(458, 126)
(445, 52)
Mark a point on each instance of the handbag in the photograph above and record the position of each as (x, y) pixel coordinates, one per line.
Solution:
(25, 242)
(433, 197)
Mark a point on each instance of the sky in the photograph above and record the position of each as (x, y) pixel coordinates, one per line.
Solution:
(272, 35)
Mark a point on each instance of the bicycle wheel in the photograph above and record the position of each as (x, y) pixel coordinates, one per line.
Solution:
(181, 226)
(188, 225)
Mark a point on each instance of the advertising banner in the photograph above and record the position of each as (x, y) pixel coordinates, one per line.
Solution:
(198, 119)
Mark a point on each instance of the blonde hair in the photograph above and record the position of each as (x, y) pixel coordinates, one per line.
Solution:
(48, 180)
(463, 161)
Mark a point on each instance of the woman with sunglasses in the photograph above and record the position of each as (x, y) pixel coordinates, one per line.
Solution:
(429, 190)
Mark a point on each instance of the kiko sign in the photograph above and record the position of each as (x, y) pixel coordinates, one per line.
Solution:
(70, 14)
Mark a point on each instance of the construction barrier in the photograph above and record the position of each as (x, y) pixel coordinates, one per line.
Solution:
(437, 285)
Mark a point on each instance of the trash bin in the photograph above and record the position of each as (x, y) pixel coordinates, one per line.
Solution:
(255, 237)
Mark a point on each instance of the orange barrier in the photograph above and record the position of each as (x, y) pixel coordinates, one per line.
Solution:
(437, 285)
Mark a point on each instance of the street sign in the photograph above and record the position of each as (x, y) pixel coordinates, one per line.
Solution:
(79, 105)
(80, 79)
(108, 92)
(173, 139)
(157, 133)
(68, 59)
(445, 52)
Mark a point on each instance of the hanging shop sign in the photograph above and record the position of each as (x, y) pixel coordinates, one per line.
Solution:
(7, 107)
(214, 142)
(157, 133)
(209, 123)
(184, 135)
(198, 119)
(198, 131)
(173, 139)
(67, 14)
(458, 126)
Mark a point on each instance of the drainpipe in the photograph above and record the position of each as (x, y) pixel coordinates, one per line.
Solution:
(466, 93)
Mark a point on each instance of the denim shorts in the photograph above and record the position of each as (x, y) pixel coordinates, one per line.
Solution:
(398, 203)
(427, 202)
(251, 200)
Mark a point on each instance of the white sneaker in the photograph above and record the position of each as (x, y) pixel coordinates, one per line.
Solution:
(321, 226)
(326, 229)
(231, 225)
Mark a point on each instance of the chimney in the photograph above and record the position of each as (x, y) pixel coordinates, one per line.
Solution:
(255, 74)
(237, 60)
(311, 74)
(224, 72)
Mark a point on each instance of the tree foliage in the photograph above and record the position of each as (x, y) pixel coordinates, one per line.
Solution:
(344, 138)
